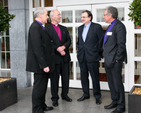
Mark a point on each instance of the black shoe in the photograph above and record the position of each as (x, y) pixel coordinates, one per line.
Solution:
(121, 110)
(82, 98)
(48, 108)
(112, 105)
(67, 98)
(55, 103)
(98, 101)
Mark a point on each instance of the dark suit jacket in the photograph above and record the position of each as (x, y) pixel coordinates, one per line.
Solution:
(66, 41)
(89, 48)
(40, 51)
(114, 47)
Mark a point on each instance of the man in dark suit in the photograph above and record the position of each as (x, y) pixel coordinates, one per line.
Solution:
(40, 59)
(89, 35)
(61, 43)
(114, 51)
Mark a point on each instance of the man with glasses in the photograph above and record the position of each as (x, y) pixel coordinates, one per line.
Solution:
(114, 51)
(89, 35)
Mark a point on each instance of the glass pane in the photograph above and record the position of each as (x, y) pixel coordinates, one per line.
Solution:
(48, 3)
(66, 16)
(76, 35)
(138, 45)
(71, 71)
(71, 33)
(8, 60)
(3, 60)
(3, 44)
(7, 44)
(121, 14)
(78, 16)
(36, 3)
(137, 72)
(5, 2)
(100, 13)
(102, 73)
(77, 71)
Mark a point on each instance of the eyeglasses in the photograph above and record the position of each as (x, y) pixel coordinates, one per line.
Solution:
(104, 14)
(84, 17)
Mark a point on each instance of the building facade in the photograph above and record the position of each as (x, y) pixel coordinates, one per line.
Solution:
(71, 18)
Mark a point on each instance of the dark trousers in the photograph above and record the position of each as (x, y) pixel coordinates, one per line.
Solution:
(93, 69)
(114, 77)
(62, 69)
(39, 92)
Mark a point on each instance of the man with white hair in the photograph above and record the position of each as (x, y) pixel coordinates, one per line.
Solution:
(61, 43)
(40, 59)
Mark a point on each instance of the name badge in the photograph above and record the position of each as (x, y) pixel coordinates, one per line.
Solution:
(109, 33)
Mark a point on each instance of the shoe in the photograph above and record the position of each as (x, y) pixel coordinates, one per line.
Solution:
(82, 98)
(98, 101)
(120, 110)
(67, 98)
(112, 105)
(55, 103)
(48, 108)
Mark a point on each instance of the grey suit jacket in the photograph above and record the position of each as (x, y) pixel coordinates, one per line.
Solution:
(115, 45)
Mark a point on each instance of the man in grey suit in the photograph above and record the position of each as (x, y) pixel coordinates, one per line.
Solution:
(89, 35)
(114, 51)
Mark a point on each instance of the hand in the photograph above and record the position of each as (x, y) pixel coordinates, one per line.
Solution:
(46, 69)
(60, 49)
(116, 61)
(63, 53)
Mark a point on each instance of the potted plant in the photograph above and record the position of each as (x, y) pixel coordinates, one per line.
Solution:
(5, 17)
(135, 12)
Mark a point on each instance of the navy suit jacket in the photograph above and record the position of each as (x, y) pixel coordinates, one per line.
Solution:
(90, 48)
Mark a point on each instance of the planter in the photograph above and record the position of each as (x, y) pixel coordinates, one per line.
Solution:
(134, 101)
(8, 93)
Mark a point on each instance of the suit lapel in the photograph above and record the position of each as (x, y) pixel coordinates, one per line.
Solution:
(81, 31)
(89, 31)
(113, 28)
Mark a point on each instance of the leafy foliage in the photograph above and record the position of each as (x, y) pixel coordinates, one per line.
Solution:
(135, 12)
(5, 17)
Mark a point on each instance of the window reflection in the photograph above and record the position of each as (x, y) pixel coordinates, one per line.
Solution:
(48, 3)
(78, 77)
(76, 34)
(71, 33)
(71, 71)
(100, 13)
(36, 3)
(138, 45)
(78, 16)
(137, 72)
(66, 16)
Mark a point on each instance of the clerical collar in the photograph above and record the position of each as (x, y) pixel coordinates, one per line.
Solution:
(54, 24)
(40, 23)
(113, 21)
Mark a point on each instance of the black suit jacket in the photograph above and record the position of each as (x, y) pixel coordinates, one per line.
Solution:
(66, 41)
(40, 50)
(115, 47)
(89, 48)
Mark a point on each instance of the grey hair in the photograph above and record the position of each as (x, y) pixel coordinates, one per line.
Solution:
(39, 10)
(112, 10)
(52, 12)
